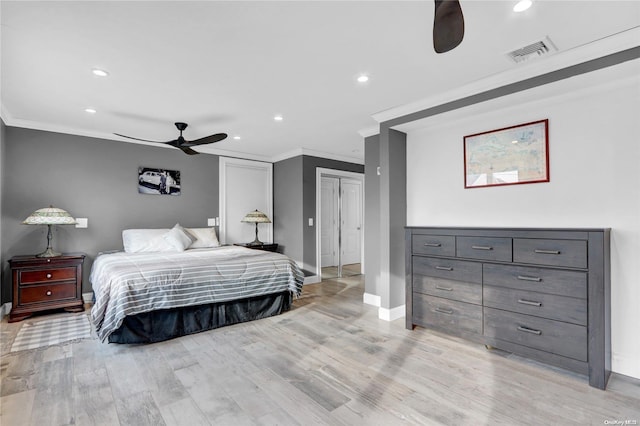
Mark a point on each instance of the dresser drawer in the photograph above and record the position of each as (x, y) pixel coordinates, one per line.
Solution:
(449, 315)
(569, 253)
(48, 293)
(439, 245)
(563, 283)
(458, 270)
(551, 306)
(556, 337)
(449, 289)
(485, 248)
(47, 275)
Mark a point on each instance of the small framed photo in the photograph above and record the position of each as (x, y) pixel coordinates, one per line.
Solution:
(158, 181)
(509, 156)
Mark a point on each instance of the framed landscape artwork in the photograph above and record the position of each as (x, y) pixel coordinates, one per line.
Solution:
(158, 181)
(509, 156)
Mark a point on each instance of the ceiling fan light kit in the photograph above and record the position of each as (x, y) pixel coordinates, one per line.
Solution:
(181, 143)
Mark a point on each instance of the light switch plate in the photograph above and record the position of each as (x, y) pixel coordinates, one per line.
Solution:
(310, 221)
(82, 222)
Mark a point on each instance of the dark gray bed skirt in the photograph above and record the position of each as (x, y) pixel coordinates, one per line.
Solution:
(157, 326)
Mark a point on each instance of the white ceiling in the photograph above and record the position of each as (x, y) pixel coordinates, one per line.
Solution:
(231, 66)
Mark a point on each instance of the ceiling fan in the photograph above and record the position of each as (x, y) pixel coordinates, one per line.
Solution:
(448, 25)
(182, 143)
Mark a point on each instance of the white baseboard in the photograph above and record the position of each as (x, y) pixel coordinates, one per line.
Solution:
(625, 365)
(87, 297)
(372, 299)
(391, 314)
(312, 279)
(4, 310)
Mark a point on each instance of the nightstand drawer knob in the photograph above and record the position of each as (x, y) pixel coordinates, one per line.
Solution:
(49, 293)
(49, 275)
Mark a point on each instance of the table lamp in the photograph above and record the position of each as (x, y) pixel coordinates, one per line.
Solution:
(49, 216)
(256, 217)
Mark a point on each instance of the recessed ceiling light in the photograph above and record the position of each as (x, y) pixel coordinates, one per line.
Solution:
(236, 137)
(363, 78)
(90, 110)
(99, 72)
(522, 5)
(278, 117)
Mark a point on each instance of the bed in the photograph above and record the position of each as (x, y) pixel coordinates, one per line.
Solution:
(154, 294)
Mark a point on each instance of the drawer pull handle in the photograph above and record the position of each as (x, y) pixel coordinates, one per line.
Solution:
(444, 268)
(529, 302)
(525, 278)
(482, 247)
(443, 288)
(433, 244)
(445, 311)
(49, 275)
(529, 330)
(49, 293)
(540, 251)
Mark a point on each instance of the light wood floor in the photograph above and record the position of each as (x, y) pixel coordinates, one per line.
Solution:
(329, 361)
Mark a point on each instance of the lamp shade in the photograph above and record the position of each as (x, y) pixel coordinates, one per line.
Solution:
(256, 217)
(50, 216)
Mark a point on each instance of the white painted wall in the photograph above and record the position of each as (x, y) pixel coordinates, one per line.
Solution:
(594, 145)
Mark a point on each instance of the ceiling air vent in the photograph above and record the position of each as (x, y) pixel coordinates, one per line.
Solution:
(534, 50)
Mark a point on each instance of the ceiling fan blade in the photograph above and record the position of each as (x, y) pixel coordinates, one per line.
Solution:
(207, 139)
(448, 25)
(188, 150)
(137, 139)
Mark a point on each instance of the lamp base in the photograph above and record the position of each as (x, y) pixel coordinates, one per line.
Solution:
(255, 242)
(49, 252)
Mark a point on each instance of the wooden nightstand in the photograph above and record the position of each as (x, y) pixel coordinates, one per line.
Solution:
(265, 247)
(40, 284)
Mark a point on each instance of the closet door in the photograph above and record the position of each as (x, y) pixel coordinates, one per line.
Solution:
(329, 220)
(245, 186)
(351, 215)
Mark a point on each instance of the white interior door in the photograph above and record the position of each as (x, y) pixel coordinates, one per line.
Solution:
(329, 221)
(245, 186)
(351, 215)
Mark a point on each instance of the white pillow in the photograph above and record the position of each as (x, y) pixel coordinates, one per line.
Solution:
(145, 240)
(204, 237)
(178, 238)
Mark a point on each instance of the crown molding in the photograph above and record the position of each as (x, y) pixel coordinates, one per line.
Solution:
(594, 50)
(313, 153)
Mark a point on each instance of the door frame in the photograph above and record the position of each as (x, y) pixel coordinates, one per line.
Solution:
(230, 162)
(321, 171)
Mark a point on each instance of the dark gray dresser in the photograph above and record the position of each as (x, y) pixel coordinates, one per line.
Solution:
(540, 293)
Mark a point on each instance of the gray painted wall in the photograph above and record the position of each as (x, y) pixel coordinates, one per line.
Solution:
(95, 179)
(309, 201)
(393, 216)
(2, 180)
(288, 219)
(372, 215)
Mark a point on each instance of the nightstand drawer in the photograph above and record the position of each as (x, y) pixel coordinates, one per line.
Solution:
(485, 248)
(556, 337)
(48, 293)
(439, 245)
(570, 253)
(47, 275)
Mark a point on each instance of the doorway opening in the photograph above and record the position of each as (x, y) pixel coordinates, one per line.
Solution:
(339, 230)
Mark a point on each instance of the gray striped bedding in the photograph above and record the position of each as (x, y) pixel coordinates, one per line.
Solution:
(131, 283)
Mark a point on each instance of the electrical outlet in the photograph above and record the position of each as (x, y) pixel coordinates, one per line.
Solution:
(82, 222)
